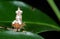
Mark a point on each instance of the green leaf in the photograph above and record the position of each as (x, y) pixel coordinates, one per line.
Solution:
(54, 7)
(40, 27)
(36, 20)
(19, 35)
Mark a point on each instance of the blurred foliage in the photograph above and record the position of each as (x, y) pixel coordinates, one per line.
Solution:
(19, 35)
(36, 20)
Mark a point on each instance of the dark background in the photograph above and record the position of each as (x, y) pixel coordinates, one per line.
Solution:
(45, 7)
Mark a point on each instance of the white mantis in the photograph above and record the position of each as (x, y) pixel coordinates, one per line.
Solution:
(17, 23)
